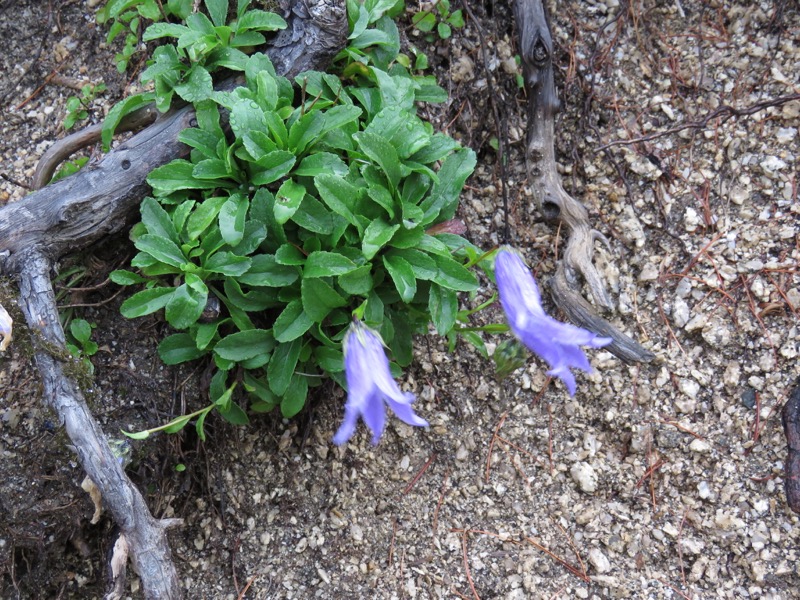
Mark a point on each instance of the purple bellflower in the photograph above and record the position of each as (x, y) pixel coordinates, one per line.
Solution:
(369, 385)
(556, 342)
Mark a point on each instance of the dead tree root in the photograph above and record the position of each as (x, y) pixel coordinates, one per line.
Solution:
(555, 204)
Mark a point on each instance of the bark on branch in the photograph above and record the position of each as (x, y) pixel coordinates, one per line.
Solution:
(555, 204)
(96, 202)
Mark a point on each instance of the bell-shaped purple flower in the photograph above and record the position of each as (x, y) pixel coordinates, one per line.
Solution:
(369, 385)
(556, 342)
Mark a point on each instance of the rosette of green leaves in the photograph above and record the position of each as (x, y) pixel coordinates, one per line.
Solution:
(203, 45)
(295, 219)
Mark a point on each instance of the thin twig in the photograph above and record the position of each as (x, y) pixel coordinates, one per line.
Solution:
(723, 113)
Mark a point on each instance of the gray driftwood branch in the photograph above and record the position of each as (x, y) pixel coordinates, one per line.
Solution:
(96, 202)
(555, 204)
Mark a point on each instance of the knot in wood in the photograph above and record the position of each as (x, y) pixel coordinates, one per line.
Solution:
(540, 53)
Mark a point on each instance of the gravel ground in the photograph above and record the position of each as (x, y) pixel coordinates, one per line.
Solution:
(662, 480)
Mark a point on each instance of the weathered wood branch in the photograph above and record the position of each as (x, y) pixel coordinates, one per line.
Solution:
(98, 201)
(62, 394)
(790, 416)
(555, 204)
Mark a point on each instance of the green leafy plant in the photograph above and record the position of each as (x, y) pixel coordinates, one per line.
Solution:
(203, 46)
(125, 16)
(79, 342)
(328, 199)
(78, 106)
(440, 18)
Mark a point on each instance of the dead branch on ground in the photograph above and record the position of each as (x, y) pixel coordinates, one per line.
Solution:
(555, 204)
(96, 202)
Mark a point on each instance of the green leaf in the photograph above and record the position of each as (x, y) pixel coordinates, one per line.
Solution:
(218, 10)
(197, 86)
(246, 116)
(382, 152)
(329, 360)
(282, 365)
(260, 390)
(424, 266)
(232, 218)
(267, 86)
(160, 30)
(260, 20)
(161, 249)
(185, 306)
(424, 21)
(292, 322)
(319, 298)
(234, 414)
(306, 129)
(327, 264)
(265, 271)
(137, 435)
(123, 277)
(444, 31)
(402, 275)
(80, 330)
(206, 332)
(146, 302)
(357, 282)
(203, 215)
(453, 275)
(178, 348)
(273, 166)
(258, 144)
(443, 306)
(441, 203)
(381, 196)
(177, 175)
(211, 168)
(376, 236)
(118, 111)
(287, 200)
(252, 301)
(320, 163)
(227, 58)
(227, 263)
(396, 90)
(403, 129)
(295, 397)
(339, 194)
(245, 344)
(289, 254)
(313, 216)
(440, 145)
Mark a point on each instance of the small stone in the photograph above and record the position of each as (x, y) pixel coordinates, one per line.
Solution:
(357, 532)
(599, 560)
(691, 220)
(649, 272)
(680, 312)
(699, 446)
(771, 165)
(731, 375)
(704, 491)
(689, 387)
(784, 135)
(697, 322)
(584, 475)
(749, 398)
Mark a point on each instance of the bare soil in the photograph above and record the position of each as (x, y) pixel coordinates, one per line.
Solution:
(662, 480)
